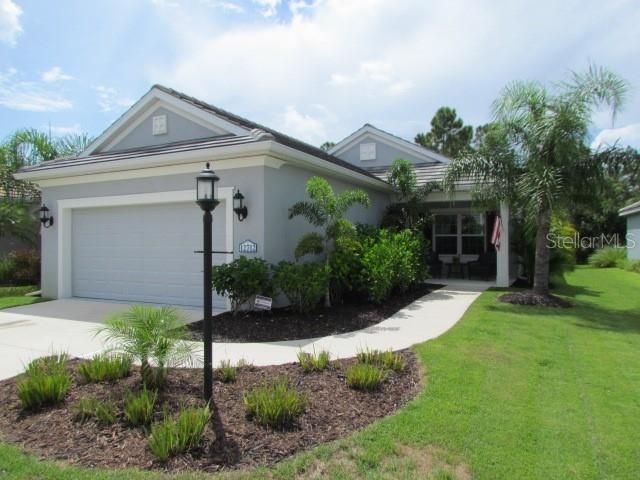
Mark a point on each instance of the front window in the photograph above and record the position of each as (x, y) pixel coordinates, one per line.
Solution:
(446, 234)
(459, 234)
(472, 234)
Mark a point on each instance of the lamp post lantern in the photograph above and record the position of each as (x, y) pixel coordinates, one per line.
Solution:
(207, 199)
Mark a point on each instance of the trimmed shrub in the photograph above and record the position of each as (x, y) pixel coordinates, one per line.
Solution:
(7, 267)
(392, 260)
(25, 267)
(105, 368)
(345, 262)
(365, 376)
(275, 404)
(90, 408)
(304, 284)
(311, 362)
(46, 381)
(632, 265)
(242, 279)
(226, 372)
(608, 257)
(138, 407)
(171, 437)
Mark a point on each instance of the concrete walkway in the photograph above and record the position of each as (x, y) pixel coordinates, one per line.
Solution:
(69, 326)
(424, 319)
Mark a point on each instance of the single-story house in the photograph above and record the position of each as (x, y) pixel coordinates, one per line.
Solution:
(126, 225)
(632, 214)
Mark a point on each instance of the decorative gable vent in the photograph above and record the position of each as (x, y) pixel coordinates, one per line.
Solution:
(159, 125)
(367, 151)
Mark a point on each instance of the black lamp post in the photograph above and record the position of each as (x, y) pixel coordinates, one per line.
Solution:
(207, 198)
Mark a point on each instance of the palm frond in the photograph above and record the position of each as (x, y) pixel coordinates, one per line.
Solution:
(598, 86)
(312, 212)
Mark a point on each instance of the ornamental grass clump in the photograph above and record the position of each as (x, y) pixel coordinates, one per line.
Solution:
(174, 436)
(275, 404)
(103, 412)
(314, 362)
(138, 406)
(105, 367)
(608, 257)
(46, 381)
(365, 376)
(387, 360)
(226, 372)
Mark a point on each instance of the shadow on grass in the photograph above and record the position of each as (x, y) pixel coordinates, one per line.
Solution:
(584, 314)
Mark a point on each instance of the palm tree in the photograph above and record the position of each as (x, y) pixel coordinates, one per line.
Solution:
(155, 337)
(536, 155)
(409, 211)
(325, 209)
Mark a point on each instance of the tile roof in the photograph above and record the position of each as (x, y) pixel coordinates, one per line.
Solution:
(279, 136)
(210, 142)
(432, 172)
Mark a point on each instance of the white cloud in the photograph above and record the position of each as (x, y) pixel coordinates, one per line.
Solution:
(389, 63)
(224, 5)
(628, 135)
(55, 74)
(269, 8)
(110, 99)
(59, 130)
(10, 26)
(31, 96)
(304, 126)
(377, 74)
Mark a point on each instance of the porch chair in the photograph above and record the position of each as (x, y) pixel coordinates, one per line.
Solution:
(484, 267)
(435, 265)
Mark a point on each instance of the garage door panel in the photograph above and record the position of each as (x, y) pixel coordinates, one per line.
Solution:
(142, 253)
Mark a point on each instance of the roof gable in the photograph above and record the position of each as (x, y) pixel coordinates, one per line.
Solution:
(185, 122)
(370, 133)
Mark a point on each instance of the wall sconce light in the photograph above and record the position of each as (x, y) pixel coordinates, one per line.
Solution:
(239, 207)
(45, 218)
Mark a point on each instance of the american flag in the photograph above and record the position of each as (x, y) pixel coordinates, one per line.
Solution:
(495, 236)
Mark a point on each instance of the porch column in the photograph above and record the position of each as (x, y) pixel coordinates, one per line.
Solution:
(502, 257)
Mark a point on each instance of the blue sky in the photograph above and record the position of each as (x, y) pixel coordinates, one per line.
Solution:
(316, 69)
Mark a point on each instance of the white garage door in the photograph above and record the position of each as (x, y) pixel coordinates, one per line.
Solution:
(143, 253)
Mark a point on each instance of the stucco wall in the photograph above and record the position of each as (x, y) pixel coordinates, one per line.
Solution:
(178, 128)
(284, 187)
(633, 236)
(385, 155)
(250, 180)
(268, 192)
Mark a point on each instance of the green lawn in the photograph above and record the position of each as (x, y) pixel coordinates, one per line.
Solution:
(510, 393)
(15, 296)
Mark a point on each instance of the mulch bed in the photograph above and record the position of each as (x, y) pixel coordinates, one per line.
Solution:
(285, 324)
(231, 441)
(535, 299)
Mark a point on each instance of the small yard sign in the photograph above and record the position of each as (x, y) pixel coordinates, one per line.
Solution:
(248, 247)
(262, 303)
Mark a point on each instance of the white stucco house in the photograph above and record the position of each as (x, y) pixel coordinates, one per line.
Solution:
(126, 225)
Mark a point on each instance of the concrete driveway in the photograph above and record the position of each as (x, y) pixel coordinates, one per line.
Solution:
(67, 325)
